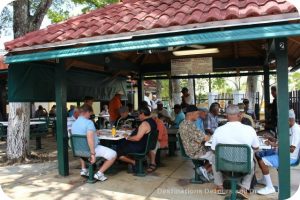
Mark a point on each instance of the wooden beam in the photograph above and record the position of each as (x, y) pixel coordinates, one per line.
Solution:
(82, 65)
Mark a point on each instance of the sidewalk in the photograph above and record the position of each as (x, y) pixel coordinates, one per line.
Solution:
(41, 181)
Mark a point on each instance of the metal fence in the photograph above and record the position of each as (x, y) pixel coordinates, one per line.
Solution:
(295, 103)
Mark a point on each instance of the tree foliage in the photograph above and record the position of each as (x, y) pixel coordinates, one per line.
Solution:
(93, 4)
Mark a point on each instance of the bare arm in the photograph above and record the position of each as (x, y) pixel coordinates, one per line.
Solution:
(143, 129)
(90, 140)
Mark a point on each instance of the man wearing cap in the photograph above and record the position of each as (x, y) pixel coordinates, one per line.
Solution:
(113, 107)
(200, 121)
(245, 118)
(186, 99)
(234, 132)
(179, 116)
(161, 111)
(192, 139)
(125, 120)
(273, 160)
(247, 109)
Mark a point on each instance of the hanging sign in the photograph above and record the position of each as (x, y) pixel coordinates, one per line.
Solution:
(191, 66)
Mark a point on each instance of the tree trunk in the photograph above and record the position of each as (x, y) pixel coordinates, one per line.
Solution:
(176, 92)
(19, 113)
(251, 90)
(158, 89)
(191, 88)
(18, 131)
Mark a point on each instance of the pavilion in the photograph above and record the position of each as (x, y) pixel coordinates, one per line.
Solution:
(139, 38)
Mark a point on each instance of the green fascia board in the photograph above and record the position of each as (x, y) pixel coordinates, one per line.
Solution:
(241, 34)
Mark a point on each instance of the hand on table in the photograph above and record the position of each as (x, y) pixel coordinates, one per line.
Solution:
(125, 135)
(98, 132)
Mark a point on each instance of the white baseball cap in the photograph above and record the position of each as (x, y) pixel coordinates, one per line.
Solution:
(120, 92)
(292, 114)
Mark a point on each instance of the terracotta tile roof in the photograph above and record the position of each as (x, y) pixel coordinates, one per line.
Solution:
(135, 15)
(3, 66)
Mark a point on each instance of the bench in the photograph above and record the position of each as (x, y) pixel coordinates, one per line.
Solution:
(141, 157)
(3, 132)
(81, 149)
(197, 163)
(37, 132)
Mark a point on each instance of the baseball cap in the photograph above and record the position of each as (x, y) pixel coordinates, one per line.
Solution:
(292, 114)
(120, 92)
(203, 109)
(191, 108)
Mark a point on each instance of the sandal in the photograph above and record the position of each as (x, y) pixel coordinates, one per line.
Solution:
(151, 168)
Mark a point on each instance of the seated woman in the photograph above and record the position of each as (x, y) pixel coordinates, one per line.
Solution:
(137, 142)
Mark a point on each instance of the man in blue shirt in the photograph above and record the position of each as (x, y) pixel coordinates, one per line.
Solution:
(202, 116)
(179, 116)
(84, 126)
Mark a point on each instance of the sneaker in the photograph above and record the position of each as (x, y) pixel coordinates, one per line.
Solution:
(266, 191)
(100, 176)
(261, 181)
(84, 172)
(203, 172)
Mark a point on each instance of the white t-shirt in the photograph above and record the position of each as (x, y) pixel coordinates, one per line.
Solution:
(295, 140)
(188, 100)
(235, 133)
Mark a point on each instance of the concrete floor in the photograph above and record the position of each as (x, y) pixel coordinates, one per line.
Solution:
(41, 181)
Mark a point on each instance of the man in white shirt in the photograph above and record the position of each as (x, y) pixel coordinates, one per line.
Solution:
(234, 132)
(147, 99)
(272, 160)
(163, 113)
(186, 99)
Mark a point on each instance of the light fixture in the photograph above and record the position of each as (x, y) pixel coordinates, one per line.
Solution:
(195, 52)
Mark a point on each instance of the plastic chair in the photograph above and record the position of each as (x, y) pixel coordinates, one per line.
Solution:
(140, 157)
(197, 163)
(234, 161)
(298, 161)
(81, 149)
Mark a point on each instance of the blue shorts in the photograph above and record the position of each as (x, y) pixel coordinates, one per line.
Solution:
(266, 152)
(273, 160)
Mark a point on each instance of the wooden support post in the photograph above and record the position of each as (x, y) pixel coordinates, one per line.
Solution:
(281, 51)
(61, 119)
(140, 89)
(266, 89)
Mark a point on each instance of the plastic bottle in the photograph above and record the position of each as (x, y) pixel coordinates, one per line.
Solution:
(113, 131)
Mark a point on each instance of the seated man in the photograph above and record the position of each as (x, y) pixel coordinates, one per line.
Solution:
(136, 143)
(84, 126)
(193, 140)
(178, 116)
(161, 111)
(272, 160)
(125, 120)
(202, 116)
(245, 118)
(247, 109)
(211, 121)
(234, 132)
(161, 143)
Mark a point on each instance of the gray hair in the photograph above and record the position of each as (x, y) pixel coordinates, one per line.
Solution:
(232, 110)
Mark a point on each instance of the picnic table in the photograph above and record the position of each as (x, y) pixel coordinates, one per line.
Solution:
(172, 132)
(262, 144)
(105, 134)
(37, 129)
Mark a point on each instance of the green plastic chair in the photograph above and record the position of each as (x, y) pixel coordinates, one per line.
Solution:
(81, 149)
(234, 161)
(37, 132)
(197, 163)
(141, 157)
(3, 132)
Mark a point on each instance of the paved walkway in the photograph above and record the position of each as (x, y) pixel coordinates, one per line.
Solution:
(41, 181)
